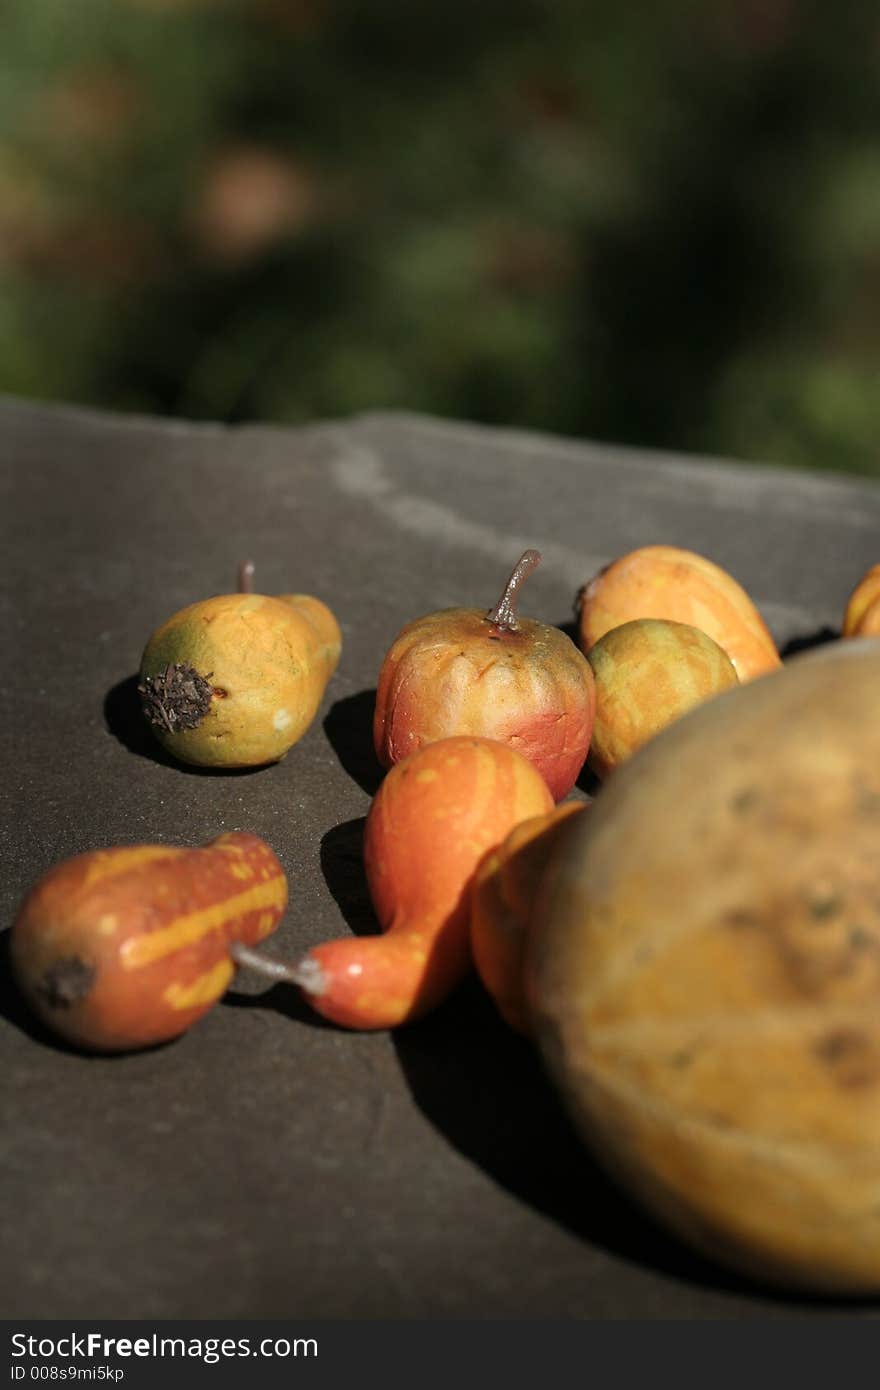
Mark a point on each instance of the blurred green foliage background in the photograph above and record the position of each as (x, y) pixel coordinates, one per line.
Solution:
(655, 223)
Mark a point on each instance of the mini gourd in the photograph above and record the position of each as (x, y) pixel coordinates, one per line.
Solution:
(503, 897)
(492, 675)
(428, 826)
(664, 581)
(235, 680)
(124, 947)
(650, 672)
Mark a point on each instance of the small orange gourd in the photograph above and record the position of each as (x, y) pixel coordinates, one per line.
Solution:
(430, 823)
(502, 898)
(663, 581)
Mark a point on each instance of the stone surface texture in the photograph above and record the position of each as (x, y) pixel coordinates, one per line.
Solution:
(267, 1165)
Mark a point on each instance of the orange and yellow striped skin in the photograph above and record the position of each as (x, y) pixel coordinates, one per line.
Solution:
(454, 673)
(648, 674)
(862, 616)
(662, 581)
(432, 820)
(268, 660)
(502, 899)
(869, 624)
(138, 936)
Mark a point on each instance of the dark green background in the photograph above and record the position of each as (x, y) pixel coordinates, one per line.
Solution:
(655, 224)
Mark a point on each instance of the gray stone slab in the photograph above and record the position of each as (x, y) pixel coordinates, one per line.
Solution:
(265, 1164)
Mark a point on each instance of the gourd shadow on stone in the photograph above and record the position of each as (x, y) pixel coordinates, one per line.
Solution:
(808, 641)
(12, 1006)
(570, 628)
(282, 998)
(588, 783)
(349, 729)
(125, 721)
(483, 1087)
(342, 865)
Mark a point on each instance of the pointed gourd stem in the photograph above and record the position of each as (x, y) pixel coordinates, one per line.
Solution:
(504, 615)
(246, 577)
(306, 973)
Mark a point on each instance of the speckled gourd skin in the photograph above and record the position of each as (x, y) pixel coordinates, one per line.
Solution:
(268, 659)
(706, 985)
(453, 673)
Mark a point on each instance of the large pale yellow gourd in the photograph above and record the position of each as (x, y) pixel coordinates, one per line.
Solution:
(704, 973)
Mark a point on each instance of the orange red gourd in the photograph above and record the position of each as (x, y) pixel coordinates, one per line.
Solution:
(663, 581)
(430, 823)
(495, 675)
(120, 948)
(235, 680)
(502, 900)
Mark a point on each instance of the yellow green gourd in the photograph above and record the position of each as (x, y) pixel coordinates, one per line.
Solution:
(235, 680)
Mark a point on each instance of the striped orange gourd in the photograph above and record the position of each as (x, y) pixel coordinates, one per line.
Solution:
(663, 581)
(433, 818)
(120, 948)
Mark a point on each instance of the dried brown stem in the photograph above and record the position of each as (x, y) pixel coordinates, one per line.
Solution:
(246, 577)
(504, 614)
